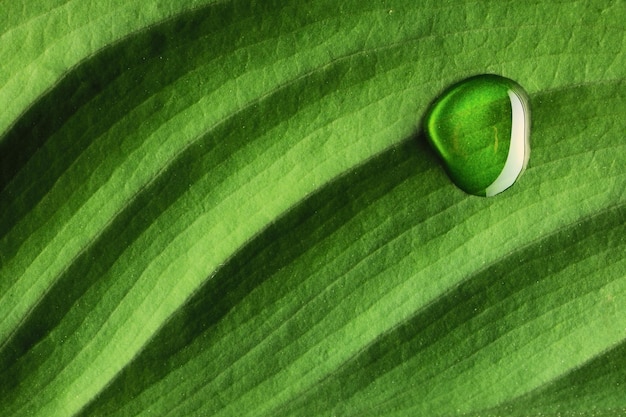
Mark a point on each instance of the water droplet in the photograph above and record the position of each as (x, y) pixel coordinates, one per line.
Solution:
(480, 129)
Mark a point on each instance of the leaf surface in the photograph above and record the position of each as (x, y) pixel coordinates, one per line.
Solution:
(228, 208)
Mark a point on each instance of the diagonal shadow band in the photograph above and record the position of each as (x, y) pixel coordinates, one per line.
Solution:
(88, 278)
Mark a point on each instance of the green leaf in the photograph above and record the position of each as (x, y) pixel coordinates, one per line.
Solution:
(229, 208)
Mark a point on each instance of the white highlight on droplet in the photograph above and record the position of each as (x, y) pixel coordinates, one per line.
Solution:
(519, 148)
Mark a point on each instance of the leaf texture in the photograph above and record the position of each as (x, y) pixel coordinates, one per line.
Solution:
(229, 208)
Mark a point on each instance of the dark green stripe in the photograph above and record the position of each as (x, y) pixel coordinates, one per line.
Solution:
(292, 236)
(492, 293)
(101, 91)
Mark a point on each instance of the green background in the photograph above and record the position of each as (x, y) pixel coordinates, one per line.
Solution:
(229, 208)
